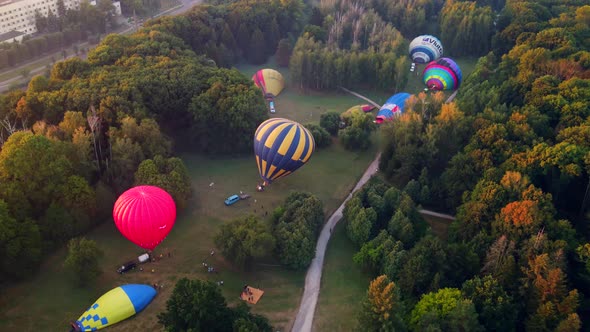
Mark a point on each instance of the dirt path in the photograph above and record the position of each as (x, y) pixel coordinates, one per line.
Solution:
(436, 214)
(304, 318)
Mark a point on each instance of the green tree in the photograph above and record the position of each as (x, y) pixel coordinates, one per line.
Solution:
(169, 174)
(244, 321)
(357, 135)
(196, 305)
(373, 254)
(33, 173)
(296, 229)
(82, 260)
(20, 246)
(413, 189)
(283, 54)
(400, 227)
(382, 308)
(243, 240)
(243, 110)
(496, 309)
(360, 226)
(422, 268)
(257, 47)
(331, 122)
(320, 135)
(445, 310)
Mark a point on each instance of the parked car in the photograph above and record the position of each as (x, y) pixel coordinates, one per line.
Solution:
(272, 107)
(127, 267)
(232, 199)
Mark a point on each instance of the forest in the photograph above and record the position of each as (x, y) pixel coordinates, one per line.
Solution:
(510, 157)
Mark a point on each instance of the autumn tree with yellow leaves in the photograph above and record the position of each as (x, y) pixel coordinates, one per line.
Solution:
(382, 309)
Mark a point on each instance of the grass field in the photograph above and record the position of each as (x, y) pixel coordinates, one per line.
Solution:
(344, 286)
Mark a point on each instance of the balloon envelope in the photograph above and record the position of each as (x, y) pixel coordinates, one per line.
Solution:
(442, 74)
(116, 305)
(270, 81)
(425, 48)
(394, 106)
(281, 146)
(145, 215)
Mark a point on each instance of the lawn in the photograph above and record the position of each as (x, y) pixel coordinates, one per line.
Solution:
(51, 298)
(344, 286)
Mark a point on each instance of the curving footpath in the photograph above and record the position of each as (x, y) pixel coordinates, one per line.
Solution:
(309, 300)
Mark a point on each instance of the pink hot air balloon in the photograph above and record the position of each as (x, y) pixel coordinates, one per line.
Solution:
(145, 215)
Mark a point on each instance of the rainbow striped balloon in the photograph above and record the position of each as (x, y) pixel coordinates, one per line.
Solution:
(116, 305)
(425, 48)
(281, 146)
(442, 74)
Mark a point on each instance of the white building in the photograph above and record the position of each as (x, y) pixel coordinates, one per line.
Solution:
(19, 15)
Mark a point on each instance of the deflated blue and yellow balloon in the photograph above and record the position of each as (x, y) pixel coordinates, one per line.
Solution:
(281, 146)
(116, 305)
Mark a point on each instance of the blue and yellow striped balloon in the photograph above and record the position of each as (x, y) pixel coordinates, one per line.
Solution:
(116, 305)
(281, 146)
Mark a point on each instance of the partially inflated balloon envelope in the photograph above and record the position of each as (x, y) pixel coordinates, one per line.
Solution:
(145, 215)
(281, 146)
(270, 81)
(442, 74)
(394, 106)
(116, 305)
(425, 48)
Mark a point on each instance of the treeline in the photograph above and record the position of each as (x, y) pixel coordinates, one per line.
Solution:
(351, 46)
(227, 33)
(74, 141)
(59, 31)
(410, 17)
(510, 157)
(291, 236)
(11, 54)
(466, 28)
(313, 65)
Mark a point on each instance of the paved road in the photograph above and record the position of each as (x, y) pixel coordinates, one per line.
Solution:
(304, 318)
